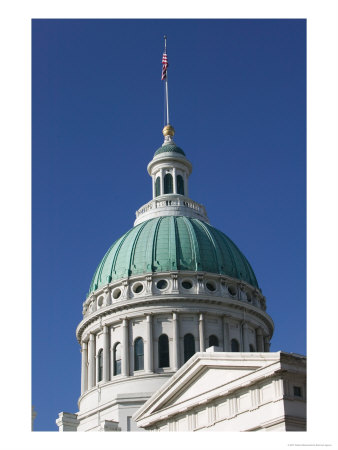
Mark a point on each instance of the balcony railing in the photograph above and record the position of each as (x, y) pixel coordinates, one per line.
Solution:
(175, 202)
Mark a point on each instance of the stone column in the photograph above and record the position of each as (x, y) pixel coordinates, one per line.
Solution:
(91, 361)
(162, 181)
(201, 332)
(259, 340)
(245, 337)
(226, 335)
(125, 348)
(174, 181)
(149, 366)
(153, 184)
(185, 177)
(84, 367)
(241, 346)
(266, 344)
(176, 343)
(106, 362)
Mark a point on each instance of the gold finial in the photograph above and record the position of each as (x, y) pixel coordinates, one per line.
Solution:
(168, 130)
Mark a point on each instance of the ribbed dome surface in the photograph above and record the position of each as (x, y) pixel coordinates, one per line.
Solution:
(169, 148)
(169, 244)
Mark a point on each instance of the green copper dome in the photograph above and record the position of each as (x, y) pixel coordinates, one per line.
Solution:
(172, 243)
(169, 148)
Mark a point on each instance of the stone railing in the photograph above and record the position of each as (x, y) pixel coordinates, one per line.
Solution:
(171, 205)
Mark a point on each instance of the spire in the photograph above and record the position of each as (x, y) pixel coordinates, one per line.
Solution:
(168, 131)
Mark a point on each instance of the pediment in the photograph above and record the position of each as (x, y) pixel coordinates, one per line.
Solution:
(206, 380)
(198, 381)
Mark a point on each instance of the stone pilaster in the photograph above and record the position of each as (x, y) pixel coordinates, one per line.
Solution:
(176, 339)
(226, 335)
(149, 285)
(125, 348)
(266, 344)
(245, 337)
(107, 298)
(106, 361)
(84, 367)
(91, 361)
(149, 365)
(200, 283)
(126, 289)
(241, 346)
(201, 332)
(174, 278)
(259, 340)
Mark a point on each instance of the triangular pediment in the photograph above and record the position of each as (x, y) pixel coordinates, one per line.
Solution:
(206, 380)
(200, 378)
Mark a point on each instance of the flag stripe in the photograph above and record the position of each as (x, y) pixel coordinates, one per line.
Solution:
(164, 66)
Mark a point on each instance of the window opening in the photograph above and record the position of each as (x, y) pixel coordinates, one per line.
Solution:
(163, 351)
(189, 346)
(138, 354)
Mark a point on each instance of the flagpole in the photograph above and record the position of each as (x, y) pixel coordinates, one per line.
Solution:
(166, 82)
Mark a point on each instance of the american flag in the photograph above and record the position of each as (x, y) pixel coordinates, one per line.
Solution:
(164, 65)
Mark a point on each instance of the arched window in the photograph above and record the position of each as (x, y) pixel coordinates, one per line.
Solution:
(168, 184)
(138, 354)
(163, 351)
(117, 359)
(157, 187)
(213, 341)
(252, 348)
(180, 185)
(189, 346)
(100, 365)
(234, 345)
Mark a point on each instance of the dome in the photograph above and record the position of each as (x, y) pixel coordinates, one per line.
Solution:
(172, 243)
(172, 148)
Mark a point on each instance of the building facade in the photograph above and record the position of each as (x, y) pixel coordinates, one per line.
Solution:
(216, 391)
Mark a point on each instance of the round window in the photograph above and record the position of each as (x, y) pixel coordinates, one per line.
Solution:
(211, 286)
(100, 301)
(137, 288)
(187, 284)
(116, 293)
(232, 290)
(162, 284)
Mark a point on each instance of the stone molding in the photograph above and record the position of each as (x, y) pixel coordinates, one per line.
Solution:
(109, 425)
(67, 421)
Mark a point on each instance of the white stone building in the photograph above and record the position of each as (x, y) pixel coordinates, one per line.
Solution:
(167, 290)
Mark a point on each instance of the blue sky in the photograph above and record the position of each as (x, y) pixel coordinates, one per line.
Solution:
(237, 93)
